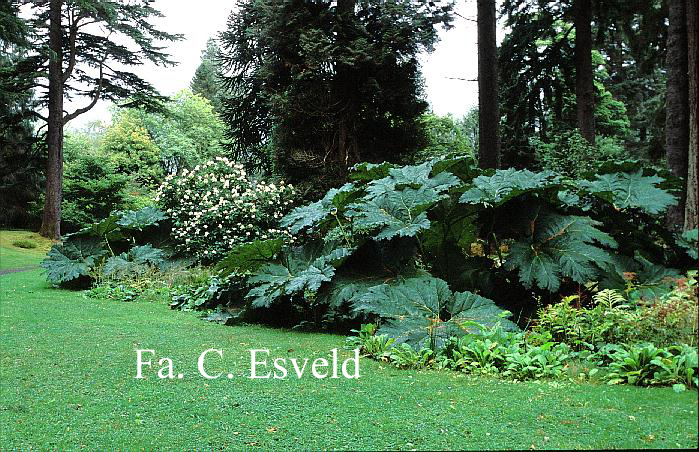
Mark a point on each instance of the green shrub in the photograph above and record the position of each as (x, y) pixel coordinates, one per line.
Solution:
(369, 343)
(116, 246)
(27, 244)
(610, 320)
(510, 355)
(673, 317)
(447, 136)
(474, 354)
(646, 365)
(92, 189)
(680, 368)
(218, 205)
(404, 356)
(570, 154)
(187, 131)
(533, 363)
(131, 152)
(158, 285)
(198, 296)
(665, 320)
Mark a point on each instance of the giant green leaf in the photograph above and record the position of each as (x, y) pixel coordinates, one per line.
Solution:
(505, 185)
(136, 261)
(141, 219)
(311, 215)
(467, 308)
(107, 227)
(559, 246)
(268, 285)
(689, 241)
(303, 271)
(72, 259)
(390, 217)
(249, 256)
(462, 167)
(146, 254)
(274, 281)
(365, 172)
(397, 213)
(631, 191)
(424, 308)
(417, 178)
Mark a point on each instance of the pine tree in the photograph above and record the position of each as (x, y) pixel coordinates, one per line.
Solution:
(206, 78)
(315, 87)
(691, 211)
(584, 76)
(20, 158)
(538, 74)
(81, 60)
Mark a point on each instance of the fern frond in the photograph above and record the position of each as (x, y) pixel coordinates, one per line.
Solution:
(608, 298)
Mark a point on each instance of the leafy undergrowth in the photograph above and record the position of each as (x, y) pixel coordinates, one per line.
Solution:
(73, 357)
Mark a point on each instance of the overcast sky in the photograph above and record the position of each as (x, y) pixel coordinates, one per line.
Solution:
(454, 58)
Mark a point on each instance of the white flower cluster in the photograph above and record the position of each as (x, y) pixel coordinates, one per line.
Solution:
(217, 205)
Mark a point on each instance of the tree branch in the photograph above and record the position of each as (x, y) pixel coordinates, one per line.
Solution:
(38, 115)
(80, 111)
(71, 45)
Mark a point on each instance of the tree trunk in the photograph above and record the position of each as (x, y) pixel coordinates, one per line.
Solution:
(347, 151)
(677, 105)
(691, 215)
(488, 108)
(584, 84)
(51, 220)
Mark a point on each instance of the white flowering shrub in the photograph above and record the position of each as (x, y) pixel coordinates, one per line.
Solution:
(217, 206)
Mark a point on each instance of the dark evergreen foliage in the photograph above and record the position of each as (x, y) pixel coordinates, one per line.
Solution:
(314, 88)
(537, 74)
(206, 81)
(21, 160)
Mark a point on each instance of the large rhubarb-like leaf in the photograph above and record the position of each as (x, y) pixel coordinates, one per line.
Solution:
(631, 190)
(302, 272)
(136, 260)
(72, 259)
(250, 256)
(560, 246)
(505, 185)
(311, 215)
(141, 219)
(423, 308)
(399, 214)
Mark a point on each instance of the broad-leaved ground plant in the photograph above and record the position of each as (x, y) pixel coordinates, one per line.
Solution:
(507, 236)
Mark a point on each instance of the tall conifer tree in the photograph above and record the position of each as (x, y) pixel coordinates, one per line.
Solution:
(314, 87)
(78, 46)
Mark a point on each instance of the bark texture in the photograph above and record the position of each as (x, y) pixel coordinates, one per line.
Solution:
(488, 108)
(584, 85)
(51, 218)
(691, 214)
(347, 151)
(677, 105)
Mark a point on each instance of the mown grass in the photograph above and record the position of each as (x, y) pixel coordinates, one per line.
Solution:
(67, 367)
(12, 256)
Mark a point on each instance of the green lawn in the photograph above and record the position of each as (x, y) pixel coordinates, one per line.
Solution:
(12, 256)
(68, 365)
